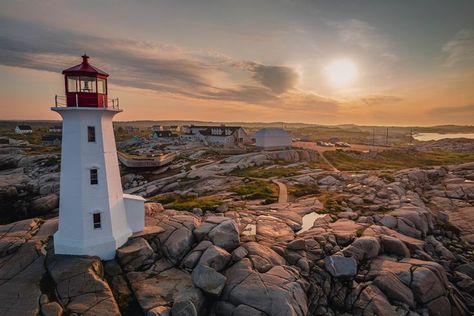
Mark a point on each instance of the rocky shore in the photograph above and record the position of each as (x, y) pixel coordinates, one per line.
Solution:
(398, 244)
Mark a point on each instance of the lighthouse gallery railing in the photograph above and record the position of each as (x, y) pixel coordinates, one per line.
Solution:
(61, 101)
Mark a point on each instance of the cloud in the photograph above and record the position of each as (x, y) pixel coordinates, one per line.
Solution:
(466, 110)
(378, 100)
(279, 79)
(460, 49)
(365, 36)
(155, 66)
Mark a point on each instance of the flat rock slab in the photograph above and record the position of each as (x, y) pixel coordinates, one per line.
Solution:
(80, 285)
(463, 219)
(154, 290)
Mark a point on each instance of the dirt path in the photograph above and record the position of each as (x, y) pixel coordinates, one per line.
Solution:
(283, 192)
(327, 161)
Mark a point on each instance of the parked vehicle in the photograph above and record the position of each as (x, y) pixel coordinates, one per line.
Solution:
(342, 144)
(324, 144)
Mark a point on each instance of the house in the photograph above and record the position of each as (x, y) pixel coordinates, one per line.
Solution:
(156, 128)
(216, 135)
(131, 129)
(273, 138)
(23, 129)
(55, 129)
(51, 140)
(173, 128)
(163, 134)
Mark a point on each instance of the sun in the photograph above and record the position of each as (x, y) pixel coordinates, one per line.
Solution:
(341, 72)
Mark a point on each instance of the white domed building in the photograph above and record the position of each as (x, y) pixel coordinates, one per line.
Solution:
(272, 139)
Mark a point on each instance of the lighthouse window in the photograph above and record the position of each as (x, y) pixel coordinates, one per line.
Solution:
(94, 178)
(91, 134)
(97, 220)
(72, 84)
(101, 88)
(87, 84)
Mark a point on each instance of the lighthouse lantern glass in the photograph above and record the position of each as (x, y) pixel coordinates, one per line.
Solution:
(88, 84)
(101, 86)
(72, 84)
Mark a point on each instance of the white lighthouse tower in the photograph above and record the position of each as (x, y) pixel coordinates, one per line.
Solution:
(95, 217)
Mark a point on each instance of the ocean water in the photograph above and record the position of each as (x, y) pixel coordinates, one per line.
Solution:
(308, 221)
(437, 136)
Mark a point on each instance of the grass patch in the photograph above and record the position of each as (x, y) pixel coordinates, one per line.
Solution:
(258, 172)
(388, 176)
(181, 203)
(165, 198)
(331, 203)
(394, 159)
(256, 190)
(300, 189)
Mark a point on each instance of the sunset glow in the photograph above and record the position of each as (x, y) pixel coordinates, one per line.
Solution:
(341, 73)
(272, 60)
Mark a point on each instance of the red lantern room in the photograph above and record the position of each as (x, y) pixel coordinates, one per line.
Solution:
(86, 86)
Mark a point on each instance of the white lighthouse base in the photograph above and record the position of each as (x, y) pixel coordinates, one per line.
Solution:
(103, 248)
(94, 218)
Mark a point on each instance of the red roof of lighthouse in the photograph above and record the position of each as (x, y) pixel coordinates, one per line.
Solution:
(85, 69)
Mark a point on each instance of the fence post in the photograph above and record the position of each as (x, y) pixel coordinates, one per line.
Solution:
(77, 100)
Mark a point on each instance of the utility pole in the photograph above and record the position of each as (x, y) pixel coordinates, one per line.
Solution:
(373, 136)
(386, 138)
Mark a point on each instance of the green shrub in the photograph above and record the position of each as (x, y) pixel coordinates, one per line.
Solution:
(258, 172)
(256, 190)
(300, 189)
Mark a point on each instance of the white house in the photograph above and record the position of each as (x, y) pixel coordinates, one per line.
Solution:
(163, 134)
(217, 135)
(272, 138)
(95, 216)
(156, 128)
(55, 129)
(23, 129)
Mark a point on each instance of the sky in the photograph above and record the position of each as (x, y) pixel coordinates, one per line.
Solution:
(324, 62)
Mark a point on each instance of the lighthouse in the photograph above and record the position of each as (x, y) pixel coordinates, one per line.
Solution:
(95, 216)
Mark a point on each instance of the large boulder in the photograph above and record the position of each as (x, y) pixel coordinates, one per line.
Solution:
(80, 285)
(208, 280)
(341, 267)
(215, 257)
(279, 291)
(154, 290)
(394, 289)
(134, 254)
(177, 238)
(262, 257)
(45, 203)
(392, 245)
(192, 258)
(372, 301)
(189, 302)
(225, 235)
(363, 248)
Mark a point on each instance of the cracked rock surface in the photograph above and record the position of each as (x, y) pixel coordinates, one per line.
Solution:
(386, 246)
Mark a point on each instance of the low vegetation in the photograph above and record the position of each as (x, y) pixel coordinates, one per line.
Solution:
(259, 172)
(256, 190)
(331, 202)
(299, 189)
(387, 176)
(181, 203)
(394, 159)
